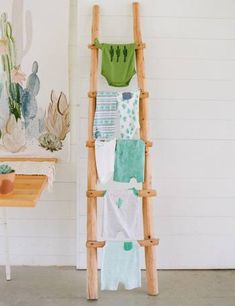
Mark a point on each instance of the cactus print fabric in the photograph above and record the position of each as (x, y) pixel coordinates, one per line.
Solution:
(128, 107)
(105, 121)
(118, 63)
(116, 115)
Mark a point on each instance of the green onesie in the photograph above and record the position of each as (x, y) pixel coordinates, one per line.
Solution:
(129, 160)
(118, 63)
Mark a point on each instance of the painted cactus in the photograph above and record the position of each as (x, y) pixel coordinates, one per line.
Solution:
(57, 121)
(3, 46)
(36, 126)
(6, 30)
(50, 142)
(22, 25)
(29, 102)
(13, 136)
(4, 107)
(9, 64)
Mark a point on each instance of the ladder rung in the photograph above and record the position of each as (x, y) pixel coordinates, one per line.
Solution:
(91, 143)
(143, 94)
(92, 46)
(142, 243)
(92, 94)
(139, 46)
(142, 193)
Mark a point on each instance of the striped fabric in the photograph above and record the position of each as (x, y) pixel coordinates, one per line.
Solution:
(105, 115)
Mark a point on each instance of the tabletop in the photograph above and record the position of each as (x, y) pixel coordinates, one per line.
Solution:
(27, 191)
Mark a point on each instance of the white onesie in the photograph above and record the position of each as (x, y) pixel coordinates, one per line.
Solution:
(121, 215)
(128, 106)
(105, 157)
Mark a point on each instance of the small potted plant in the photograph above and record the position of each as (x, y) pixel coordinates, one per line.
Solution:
(7, 179)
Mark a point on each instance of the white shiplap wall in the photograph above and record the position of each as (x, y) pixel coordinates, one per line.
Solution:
(46, 235)
(190, 69)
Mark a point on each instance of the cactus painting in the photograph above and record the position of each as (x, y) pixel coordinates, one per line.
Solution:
(4, 107)
(57, 123)
(57, 120)
(29, 102)
(50, 142)
(9, 67)
(23, 24)
(33, 118)
(13, 135)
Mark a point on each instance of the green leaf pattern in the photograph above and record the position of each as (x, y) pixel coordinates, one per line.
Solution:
(119, 202)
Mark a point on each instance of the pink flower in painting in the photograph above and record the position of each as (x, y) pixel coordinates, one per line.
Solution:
(17, 76)
(3, 46)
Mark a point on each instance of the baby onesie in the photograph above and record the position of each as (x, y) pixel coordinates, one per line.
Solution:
(121, 215)
(120, 265)
(105, 157)
(105, 120)
(118, 63)
(128, 107)
(129, 160)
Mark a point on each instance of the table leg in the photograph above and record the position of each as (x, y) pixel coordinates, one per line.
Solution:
(7, 253)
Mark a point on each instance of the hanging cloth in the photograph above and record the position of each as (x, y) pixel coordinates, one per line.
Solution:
(120, 265)
(121, 215)
(118, 63)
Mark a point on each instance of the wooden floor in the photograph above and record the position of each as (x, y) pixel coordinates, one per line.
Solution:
(26, 193)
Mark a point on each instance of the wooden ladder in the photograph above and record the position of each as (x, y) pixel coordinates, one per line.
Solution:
(149, 242)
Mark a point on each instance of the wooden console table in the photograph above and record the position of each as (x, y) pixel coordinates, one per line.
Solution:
(27, 191)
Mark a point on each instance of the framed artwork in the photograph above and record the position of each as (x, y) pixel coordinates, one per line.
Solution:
(34, 101)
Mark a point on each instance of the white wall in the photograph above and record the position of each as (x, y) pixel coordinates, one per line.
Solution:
(190, 69)
(46, 235)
